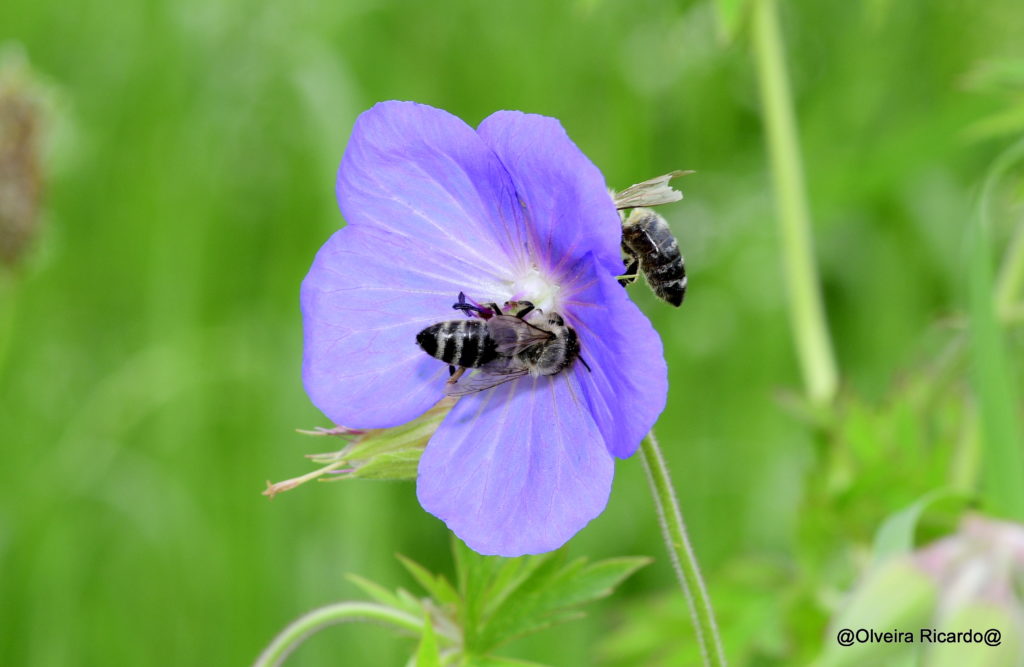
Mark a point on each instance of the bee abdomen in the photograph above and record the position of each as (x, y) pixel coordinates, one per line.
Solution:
(463, 343)
(648, 235)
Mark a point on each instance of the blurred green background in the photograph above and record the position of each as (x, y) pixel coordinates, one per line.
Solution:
(150, 339)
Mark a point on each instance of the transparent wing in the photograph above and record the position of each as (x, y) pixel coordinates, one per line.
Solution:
(651, 193)
(483, 380)
(513, 335)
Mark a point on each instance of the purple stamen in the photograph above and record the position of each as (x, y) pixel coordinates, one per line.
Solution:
(472, 309)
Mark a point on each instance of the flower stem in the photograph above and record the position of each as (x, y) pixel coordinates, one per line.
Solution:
(807, 314)
(309, 624)
(683, 559)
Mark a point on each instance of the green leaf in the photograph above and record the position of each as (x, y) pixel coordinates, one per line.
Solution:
(379, 593)
(547, 595)
(407, 599)
(428, 654)
(435, 585)
(895, 536)
(730, 18)
(893, 596)
(498, 661)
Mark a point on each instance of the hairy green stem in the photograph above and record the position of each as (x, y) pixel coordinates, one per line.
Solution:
(309, 624)
(683, 559)
(807, 314)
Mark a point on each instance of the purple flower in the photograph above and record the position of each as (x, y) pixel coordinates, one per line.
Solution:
(510, 211)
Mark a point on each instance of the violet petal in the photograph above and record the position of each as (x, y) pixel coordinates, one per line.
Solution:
(569, 209)
(518, 469)
(627, 386)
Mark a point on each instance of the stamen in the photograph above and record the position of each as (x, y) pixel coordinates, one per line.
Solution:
(536, 288)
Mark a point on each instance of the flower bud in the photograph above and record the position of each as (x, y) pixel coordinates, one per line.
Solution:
(383, 453)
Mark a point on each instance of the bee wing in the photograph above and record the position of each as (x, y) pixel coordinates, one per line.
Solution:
(650, 193)
(513, 335)
(483, 380)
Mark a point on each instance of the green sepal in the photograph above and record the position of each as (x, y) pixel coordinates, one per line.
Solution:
(400, 465)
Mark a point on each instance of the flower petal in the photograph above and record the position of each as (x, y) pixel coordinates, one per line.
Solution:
(364, 300)
(518, 469)
(567, 202)
(421, 173)
(627, 387)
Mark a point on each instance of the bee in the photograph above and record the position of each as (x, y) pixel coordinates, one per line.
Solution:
(648, 245)
(500, 347)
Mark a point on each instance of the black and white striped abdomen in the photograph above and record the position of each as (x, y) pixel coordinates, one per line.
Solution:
(651, 241)
(464, 343)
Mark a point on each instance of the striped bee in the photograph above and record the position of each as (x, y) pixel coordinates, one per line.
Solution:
(500, 347)
(648, 245)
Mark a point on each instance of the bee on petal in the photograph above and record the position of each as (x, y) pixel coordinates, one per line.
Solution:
(503, 347)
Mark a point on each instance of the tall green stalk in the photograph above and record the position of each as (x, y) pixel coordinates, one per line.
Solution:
(992, 370)
(807, 316)
(1010, 282)
(683, 559)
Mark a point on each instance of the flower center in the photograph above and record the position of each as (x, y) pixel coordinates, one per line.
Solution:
(536, 288)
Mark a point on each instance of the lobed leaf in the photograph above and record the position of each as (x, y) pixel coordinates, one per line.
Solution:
(436, 585)
(383, 595)
(428, 654)
(548, 594)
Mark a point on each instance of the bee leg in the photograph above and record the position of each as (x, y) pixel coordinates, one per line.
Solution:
(493, 307)
(451, 370)
(455, 374)
(585, 364)
(526, 309)
(632, 267)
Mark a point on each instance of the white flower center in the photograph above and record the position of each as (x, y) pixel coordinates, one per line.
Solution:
(535, 287)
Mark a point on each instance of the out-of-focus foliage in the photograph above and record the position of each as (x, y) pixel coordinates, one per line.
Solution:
(967, 582)
(150, 342)
(22, 119)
